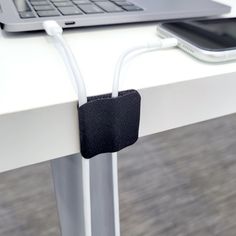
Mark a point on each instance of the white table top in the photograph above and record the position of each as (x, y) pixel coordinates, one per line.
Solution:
(38, 103)
(32, 67)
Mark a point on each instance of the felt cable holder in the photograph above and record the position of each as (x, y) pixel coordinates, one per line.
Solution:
(109, 124)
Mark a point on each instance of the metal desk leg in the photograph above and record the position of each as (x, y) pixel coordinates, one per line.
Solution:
(67, 177)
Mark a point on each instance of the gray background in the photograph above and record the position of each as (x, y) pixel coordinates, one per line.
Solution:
(176, 183)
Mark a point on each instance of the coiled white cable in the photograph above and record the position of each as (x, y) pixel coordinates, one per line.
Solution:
(53, 29)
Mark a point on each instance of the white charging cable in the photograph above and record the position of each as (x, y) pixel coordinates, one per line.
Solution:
(124, 58)
(53, 29)
(134, 52)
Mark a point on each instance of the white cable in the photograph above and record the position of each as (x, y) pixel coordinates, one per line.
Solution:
(87, 196)
(128, 55)
(53, 29)
(133, 52)
(116, 193)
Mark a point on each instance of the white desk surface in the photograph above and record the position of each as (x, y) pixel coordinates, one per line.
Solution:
(38, 117)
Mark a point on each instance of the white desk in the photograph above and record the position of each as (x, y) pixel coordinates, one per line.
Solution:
(38, 114)
(38, 105)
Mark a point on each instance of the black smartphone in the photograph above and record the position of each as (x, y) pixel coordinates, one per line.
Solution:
(212, 40)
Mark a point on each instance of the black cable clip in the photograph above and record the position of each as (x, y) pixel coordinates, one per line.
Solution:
(109, 124)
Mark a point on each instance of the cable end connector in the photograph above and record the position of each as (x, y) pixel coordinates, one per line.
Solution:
(162, 43)
(52, 27)
(169, 42)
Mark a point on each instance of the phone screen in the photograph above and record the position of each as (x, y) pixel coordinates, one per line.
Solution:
(215, 35)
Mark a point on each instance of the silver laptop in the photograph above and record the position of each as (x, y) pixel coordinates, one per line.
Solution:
(28, 15)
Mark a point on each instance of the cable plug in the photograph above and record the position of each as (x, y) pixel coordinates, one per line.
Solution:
(169, 42)
(52, 27)
(162, 43)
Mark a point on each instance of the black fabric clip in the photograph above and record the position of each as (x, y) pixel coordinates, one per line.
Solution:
(109, 124)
